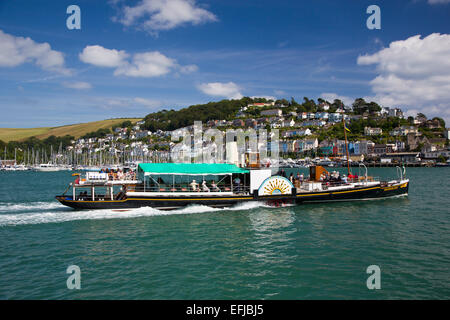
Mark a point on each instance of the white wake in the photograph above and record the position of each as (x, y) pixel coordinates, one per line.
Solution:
(61, 213)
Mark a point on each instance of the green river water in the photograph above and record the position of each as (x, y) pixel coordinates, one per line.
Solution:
(252, 251)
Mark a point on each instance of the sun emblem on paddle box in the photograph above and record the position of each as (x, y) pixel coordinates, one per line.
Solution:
(275, 185)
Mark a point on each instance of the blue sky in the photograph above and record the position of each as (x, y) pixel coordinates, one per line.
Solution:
(131, 58)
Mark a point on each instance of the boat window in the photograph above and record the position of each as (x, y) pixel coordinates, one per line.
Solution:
(187, 183)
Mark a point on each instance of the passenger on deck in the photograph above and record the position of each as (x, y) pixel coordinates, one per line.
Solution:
(204, 187)
(194, 185)
(214, 187)
(237, 183)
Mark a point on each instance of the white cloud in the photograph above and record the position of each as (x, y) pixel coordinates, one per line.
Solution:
(147, 102)
(102, 57)
(79, 85)
(115, 103)
(146, 64)
(330, 97)
(228, 90)
(15, 51)
(414, 73)
(156, 15)
(188, 69)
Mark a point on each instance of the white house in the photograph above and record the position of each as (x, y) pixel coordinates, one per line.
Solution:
(297, 132)
(335, 117)
(368, 131)
(142, 134)
(310, 144)
(272, 112)
(321, 115)
(318, 123)
(325, 106)
(288, 123)
(404, 131)
(396, 112)
(447, 133)
(302, 116)
(384, 111)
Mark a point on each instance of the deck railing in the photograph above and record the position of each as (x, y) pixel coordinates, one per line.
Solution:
(187, 188)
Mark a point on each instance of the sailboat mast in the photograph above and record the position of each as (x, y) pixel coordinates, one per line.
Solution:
(346, 145)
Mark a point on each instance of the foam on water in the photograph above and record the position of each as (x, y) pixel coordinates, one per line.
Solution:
(31, 206)
(63, 214)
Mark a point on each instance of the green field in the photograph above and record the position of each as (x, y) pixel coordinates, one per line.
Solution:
(76, 130)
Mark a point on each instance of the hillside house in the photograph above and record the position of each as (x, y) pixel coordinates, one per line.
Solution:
(272, 112)
(368, 131)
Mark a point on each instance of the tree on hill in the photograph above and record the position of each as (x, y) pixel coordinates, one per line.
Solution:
(359, 106)
(337, 103)
(421, 115)
(373, 107)
(258, 100)
(441, 121)
(174, 119)
(100, 133)
(34, 143)
(282, 102)
(309, 105)
(293, 103)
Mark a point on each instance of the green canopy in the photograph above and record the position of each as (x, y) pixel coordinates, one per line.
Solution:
(190, 168)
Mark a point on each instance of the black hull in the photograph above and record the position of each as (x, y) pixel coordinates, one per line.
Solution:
(169, 203)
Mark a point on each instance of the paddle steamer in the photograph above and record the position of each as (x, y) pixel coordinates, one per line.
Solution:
(173, 185)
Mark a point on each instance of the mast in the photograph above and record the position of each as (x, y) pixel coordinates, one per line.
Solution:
(346, 145)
